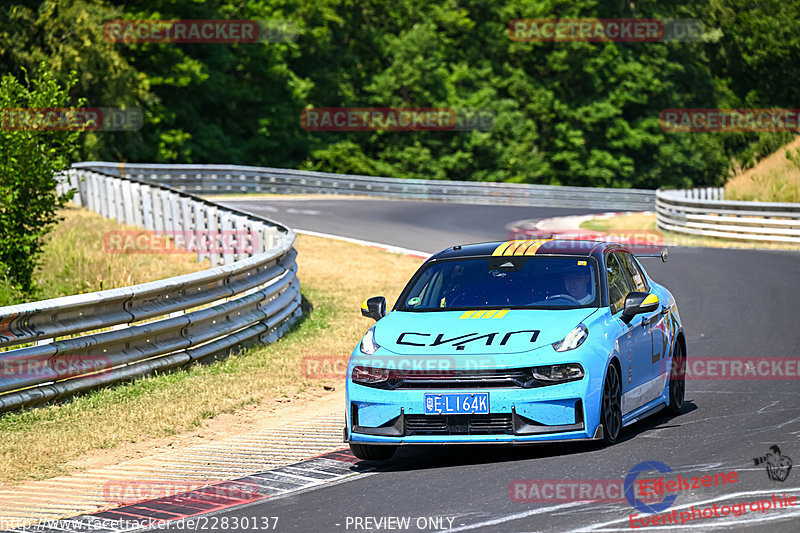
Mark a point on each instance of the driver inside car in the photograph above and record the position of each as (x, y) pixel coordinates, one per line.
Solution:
(577, 283)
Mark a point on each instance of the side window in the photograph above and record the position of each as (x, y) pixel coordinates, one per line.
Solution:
(431, 289)
(618, 287)
(635, 274)
(424, 286)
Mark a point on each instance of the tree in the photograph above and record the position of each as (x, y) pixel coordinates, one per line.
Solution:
(29, 161)
(67, 35)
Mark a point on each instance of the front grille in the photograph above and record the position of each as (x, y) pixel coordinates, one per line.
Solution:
(512, 378)
(492, 424)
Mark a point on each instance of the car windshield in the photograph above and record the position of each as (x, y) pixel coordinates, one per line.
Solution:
(506, 282)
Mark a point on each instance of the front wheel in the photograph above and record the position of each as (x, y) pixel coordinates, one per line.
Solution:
(611, 414)
(372, 453)
(677, 380)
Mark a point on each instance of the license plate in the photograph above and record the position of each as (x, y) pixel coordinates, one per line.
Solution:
(462, 403)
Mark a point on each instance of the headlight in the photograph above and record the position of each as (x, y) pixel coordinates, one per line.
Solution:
(573, 339)
(555, 373)
(368, 344)
(369, 376)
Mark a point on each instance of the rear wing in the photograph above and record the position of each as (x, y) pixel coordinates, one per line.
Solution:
(664, 254)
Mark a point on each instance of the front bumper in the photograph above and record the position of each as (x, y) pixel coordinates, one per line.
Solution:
(565, 412)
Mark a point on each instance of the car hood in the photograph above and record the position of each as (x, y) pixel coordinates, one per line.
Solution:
(463, 333)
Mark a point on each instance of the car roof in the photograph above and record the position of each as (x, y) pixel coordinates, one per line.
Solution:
(527, 247)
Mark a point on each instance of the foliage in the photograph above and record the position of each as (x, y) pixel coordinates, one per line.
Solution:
(572, 113)
(29, 162)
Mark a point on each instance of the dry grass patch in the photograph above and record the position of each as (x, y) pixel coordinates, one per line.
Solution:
(776, 178)
(335, 277)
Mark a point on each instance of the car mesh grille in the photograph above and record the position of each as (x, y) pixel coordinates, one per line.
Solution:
(493, 424)
(511, 378)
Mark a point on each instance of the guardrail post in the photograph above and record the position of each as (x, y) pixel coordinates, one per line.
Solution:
(138, 205)
(128, 205)
(110, 203)
(119, 200)
(239, 240)
(102, 196)
(166, 211)
(187, 228)
(257, 237)
(212, 225)
(88, 185)
(200, 224)
(171, 221)
(147, 208)
(83, 188)
(177, 220)
(270, 237)
(223, 239)
(75, 183)
(158, 211)
(98, 187)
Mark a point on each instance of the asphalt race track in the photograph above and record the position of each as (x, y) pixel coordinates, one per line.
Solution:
(424, 226)
(732, 303)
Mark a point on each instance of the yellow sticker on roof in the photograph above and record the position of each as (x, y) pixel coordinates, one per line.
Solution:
(582, 263)
(519, 247)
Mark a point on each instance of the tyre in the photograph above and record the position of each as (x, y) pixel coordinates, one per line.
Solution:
(677, 380)
(372, 453)
(611, 410)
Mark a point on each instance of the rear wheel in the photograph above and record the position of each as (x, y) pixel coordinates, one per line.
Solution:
(372, 453)
(611, 415)
(677, 380)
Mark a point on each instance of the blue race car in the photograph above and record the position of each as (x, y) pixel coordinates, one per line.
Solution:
(516, 342)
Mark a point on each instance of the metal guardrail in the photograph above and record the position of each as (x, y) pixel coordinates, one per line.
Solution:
(250, 295)
(701, 193)
(227, 179)
(704, 212)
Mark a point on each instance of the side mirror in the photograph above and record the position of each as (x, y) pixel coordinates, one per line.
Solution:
(637, 303)
(374, 308)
